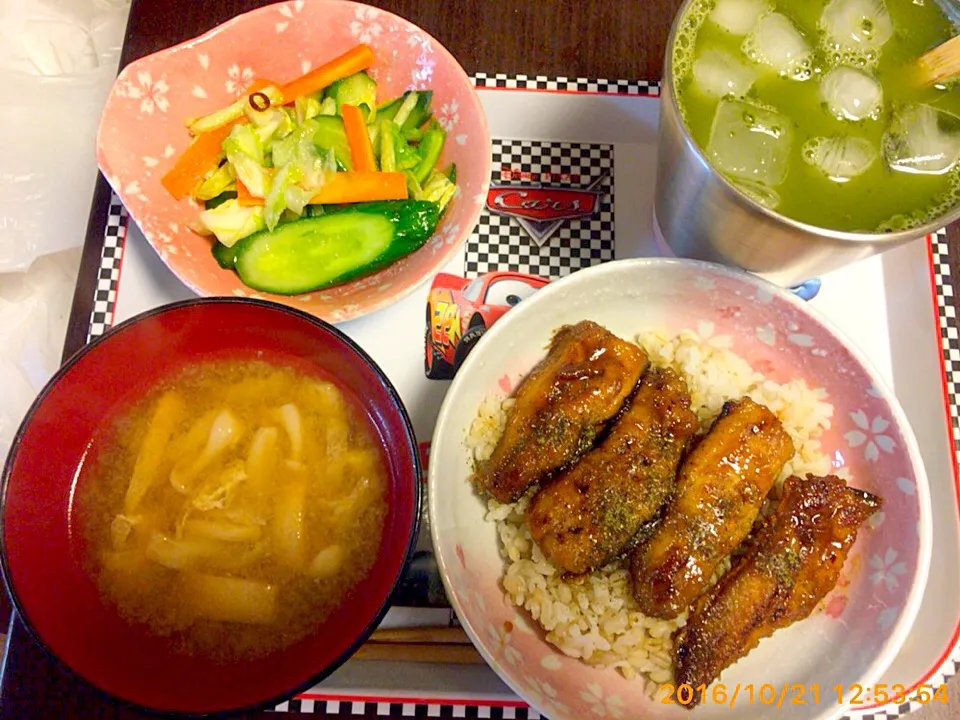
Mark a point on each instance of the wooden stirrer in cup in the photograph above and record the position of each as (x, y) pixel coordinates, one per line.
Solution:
(938, 65)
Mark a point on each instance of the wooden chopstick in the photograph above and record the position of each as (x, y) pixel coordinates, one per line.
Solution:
(428, 635)
(419, 652)
(939, 64)
(420, 644)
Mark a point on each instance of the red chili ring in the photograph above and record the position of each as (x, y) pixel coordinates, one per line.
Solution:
(259, 101)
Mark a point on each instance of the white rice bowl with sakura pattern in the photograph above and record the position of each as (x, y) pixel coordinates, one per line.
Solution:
(729, 335)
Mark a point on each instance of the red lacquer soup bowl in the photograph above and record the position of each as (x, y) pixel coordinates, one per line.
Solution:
(43, 549)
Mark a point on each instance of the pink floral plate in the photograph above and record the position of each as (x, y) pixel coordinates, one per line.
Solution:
(143, 131)
(863, 622)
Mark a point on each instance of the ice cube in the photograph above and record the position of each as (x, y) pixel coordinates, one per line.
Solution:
(840, 157)
(922, 140)
(738, 16)
(777, 42)
(748, 142)
(856, 24)
(768, 197)
(718, 73)
(851, 94)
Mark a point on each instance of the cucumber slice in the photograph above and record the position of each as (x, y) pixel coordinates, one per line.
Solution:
(357, 89)
(330, 135)
(219, 199)
(225, 256)
(343, 244)
(387, 110)
(418, 114)
(430, 149)
(421, 112)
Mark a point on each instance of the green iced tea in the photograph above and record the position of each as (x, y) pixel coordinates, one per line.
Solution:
(806, 106)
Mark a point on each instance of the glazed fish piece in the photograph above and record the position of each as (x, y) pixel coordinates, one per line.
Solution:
(563, 403)
(720, 487)
(793, 563)
(588, 515)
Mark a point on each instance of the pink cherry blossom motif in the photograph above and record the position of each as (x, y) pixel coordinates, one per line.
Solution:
(887, 569)
(238, 79)
(545, 696)
(365, 28)
(460, 556)
(506, 384)
(835, 605)
(871, 434)
(502, 637)
(448, 116)
(764, 367)
(766, 334)
(151, 94)
(888, 616)
(601, 704)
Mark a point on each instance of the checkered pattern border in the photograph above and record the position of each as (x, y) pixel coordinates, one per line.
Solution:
(949, 329)
(397, 708)
(949, 668)
(500, 242)
(108, 277)
(601, 86)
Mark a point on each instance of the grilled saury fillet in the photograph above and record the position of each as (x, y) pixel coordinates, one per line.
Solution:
(587, 515)
(720, 488)
(560, 407)
(793, 563)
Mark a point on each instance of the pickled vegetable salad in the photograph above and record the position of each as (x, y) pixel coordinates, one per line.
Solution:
(313, 183)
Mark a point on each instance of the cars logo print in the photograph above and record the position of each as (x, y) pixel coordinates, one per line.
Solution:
(540, 210)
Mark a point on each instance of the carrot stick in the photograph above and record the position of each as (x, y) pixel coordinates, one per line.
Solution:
(260, 84)
(361, 151)
(197, 160)
(352, 61)
(202, 154)
(346, 187)
(354, 186)
(244, 198)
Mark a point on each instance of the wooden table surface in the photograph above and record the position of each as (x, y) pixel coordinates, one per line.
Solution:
(616, 39)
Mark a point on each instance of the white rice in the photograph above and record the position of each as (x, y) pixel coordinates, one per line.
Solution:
(595, 618)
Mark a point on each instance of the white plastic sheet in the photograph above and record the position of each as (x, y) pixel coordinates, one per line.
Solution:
(58, 59)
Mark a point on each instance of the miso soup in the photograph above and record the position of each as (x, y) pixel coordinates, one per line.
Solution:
(808, 107)
(234, 507)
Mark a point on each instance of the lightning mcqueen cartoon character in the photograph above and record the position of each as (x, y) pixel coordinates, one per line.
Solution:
(459, 312)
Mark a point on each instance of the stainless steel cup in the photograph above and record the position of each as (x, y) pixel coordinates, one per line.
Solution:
(701, 215)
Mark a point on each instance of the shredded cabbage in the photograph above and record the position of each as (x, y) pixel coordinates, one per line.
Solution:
(306, 107)
(232, 112)
(301, 170)
(395, 152)
(271, 124)
(231, 222)
(245, 151)
(328, 106)
(217, 182)
(438, 189)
